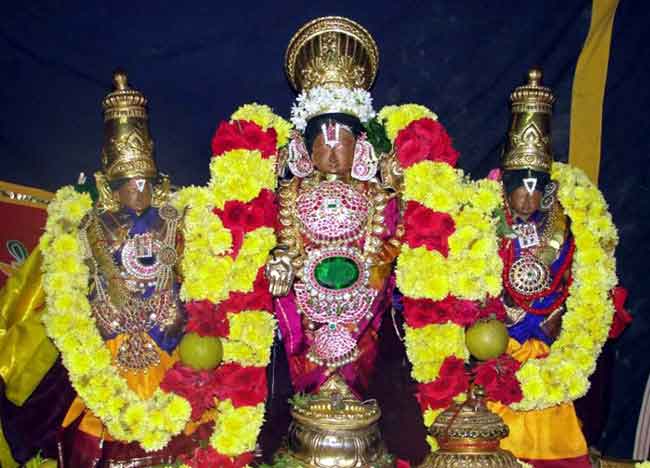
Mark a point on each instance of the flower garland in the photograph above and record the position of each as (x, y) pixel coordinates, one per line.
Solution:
(449, 260)
(229, 295)
(563, 375)
(69, 322)
(231, 244)
(449, 271)
(321, 100)
(397, 118)
(264, 117)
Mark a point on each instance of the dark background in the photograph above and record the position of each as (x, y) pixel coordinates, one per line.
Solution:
(198, 61)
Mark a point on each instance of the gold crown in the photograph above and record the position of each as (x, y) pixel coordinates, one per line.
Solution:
(331, 51)
(128, 147)
(529, 136)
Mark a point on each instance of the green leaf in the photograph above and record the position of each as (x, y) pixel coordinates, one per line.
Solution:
(376, 134)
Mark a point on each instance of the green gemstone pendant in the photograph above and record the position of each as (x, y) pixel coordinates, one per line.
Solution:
(336, 273)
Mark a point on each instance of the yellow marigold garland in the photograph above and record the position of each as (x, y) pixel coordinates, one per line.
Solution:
(563, 375)
(210, 273)
(250, 339)
(236, 428)
(472, 268)
(429, 346)
(240, 175)
(69, 323)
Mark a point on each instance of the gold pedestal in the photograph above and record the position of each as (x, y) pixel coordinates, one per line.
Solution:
(468, 435)
(334, 429)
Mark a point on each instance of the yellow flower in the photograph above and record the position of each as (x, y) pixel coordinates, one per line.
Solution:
(433, 443)
(250, 339)
(240, 175)
(430, 416)
(422, 273)
(236, 428)
(396, 118)
(428, 346)
(252, 256)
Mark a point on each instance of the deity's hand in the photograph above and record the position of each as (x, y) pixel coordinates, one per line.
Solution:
(552, 325)
(279, 272)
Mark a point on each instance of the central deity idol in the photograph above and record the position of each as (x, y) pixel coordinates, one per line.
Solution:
(331, 269)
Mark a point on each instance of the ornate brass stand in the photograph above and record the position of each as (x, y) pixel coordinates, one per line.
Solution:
(334, 429)
(469, 435)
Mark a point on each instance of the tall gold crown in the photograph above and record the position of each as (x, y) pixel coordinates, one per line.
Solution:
(128, 147)
(331, 51)
(529, 136)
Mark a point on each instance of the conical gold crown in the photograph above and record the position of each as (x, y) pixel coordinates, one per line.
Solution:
(128, 147)
(331, 51)
(529, 136)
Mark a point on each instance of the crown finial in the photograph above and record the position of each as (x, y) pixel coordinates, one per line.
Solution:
(534, 77)
(120, 80)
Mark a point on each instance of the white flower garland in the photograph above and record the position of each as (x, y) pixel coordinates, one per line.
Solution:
(323, 100)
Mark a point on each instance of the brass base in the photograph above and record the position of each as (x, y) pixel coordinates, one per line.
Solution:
(444, 459)
(311, 448)
(468, 435)
(336, 430)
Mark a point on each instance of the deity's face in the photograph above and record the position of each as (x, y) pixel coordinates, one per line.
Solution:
(135, 194)
(337, 159)
(523, 203)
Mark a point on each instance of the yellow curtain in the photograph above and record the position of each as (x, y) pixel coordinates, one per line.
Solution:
(589, 90)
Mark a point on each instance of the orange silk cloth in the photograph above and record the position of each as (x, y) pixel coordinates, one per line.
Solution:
(550, 434)
(144, 384)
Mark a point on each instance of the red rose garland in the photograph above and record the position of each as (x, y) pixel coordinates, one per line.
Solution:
(242, 134)
(243, 385)
(426, 139)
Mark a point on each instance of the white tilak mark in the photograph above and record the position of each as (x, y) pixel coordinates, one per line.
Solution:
(530, 183)
(140, 183)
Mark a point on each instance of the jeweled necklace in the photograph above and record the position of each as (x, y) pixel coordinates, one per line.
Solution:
(117, 310)
(334, 293)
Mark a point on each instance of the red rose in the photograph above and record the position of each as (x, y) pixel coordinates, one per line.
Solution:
(198, 387)
(261, 211)
(242, 134)
(461, 312)
(208, 457)
(493, 307)
(245, 386)
(206, 319)
(423, 226)
(622, 317)
(241, 218)
(421, 312)
(258, 299)
(497, 377)
(424, 139)
(451, 381)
